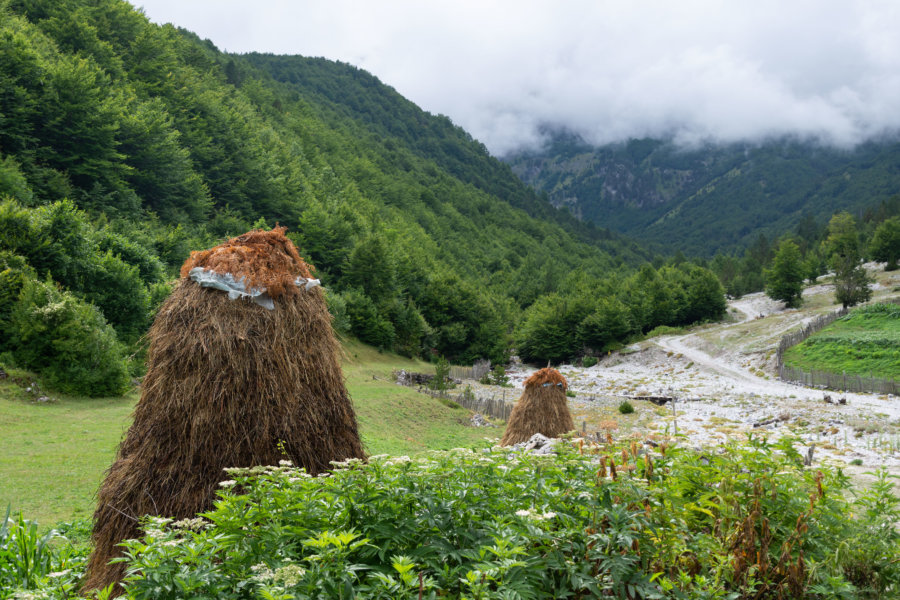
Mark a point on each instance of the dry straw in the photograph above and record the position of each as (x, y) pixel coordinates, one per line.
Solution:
(541, 409)
(229, 384)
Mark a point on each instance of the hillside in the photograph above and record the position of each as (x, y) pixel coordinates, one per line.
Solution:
(702, 200)
(124, 145)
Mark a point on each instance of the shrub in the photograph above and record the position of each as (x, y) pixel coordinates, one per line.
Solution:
(150, 268)
(117, 290)
(441, 379)
(13, 274)
(367, 323)
(495, 524)
(626, 408)
(66, 341)
(498, 376)
(589, 361)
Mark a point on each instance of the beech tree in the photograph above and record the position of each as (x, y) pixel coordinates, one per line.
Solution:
(784, 281)
(885, 244)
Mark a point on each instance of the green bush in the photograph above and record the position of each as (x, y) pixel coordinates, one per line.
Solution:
(115, 287)
(67, 342)
(150, 269)
(494, 524)
(366, 322)
(14, 271)
(626, 408)
(441, 379)
(589, 361)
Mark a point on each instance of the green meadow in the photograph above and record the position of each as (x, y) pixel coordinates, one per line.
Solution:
(865, 342)
(53, 455)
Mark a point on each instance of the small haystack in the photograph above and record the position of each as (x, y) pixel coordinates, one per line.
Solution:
(541, 409)
(236, 378)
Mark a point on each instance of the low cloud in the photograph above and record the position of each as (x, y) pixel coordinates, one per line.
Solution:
(722, 71)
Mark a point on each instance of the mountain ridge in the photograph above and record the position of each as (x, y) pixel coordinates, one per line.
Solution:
(712, 198)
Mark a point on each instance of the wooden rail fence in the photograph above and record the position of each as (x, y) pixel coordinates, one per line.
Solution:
(498, 406)
(825, 379)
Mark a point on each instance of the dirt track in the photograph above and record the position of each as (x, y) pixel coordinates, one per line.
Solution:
(722, 377)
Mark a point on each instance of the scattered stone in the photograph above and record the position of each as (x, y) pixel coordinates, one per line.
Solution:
(828, 399)
(778, 419)
(408, 378)
(537, 444)
(842, 401)
(479, 421)
(43, 399)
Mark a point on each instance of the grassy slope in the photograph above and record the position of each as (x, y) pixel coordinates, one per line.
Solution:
(53, 456)
(863, 344)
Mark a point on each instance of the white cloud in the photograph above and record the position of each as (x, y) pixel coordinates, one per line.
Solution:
(709, 70)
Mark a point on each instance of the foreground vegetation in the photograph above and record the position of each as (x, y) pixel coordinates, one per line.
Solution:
(865, 342)
(744, 521)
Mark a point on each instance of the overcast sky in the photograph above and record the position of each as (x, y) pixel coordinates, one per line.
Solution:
(609, 70)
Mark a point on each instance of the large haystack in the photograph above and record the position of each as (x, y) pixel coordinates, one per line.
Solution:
(542, 409)
(230, 383)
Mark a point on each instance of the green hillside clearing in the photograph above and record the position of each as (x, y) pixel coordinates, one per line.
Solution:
(865, 342)
(53, 455)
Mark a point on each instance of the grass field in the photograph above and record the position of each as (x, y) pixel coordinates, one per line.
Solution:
(865, 342)
(53, 455)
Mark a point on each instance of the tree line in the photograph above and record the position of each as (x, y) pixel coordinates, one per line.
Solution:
(813, 249)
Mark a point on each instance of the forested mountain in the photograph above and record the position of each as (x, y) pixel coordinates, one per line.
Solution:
(713, 198)
(124, 145)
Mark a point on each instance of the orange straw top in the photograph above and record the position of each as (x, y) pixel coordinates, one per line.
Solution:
(264, 259)
(547, 375)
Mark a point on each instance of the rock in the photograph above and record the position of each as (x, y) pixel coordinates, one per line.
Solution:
(842, 401)
(479, 421)
(828, 399)
(537, 444)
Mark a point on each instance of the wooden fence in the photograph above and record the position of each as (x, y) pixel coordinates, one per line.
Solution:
(498, 406)
(825, 379)
(476, 371)
(840, 381)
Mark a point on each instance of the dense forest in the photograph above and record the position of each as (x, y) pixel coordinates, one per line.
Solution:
(124, 145)
(712, 198)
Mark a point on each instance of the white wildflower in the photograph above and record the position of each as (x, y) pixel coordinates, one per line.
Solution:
(262, 573)
(523, 513)
(289, 575)
(227, 483)
(285, 463)
(59, 573)
(549, 515)
(195, 524)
